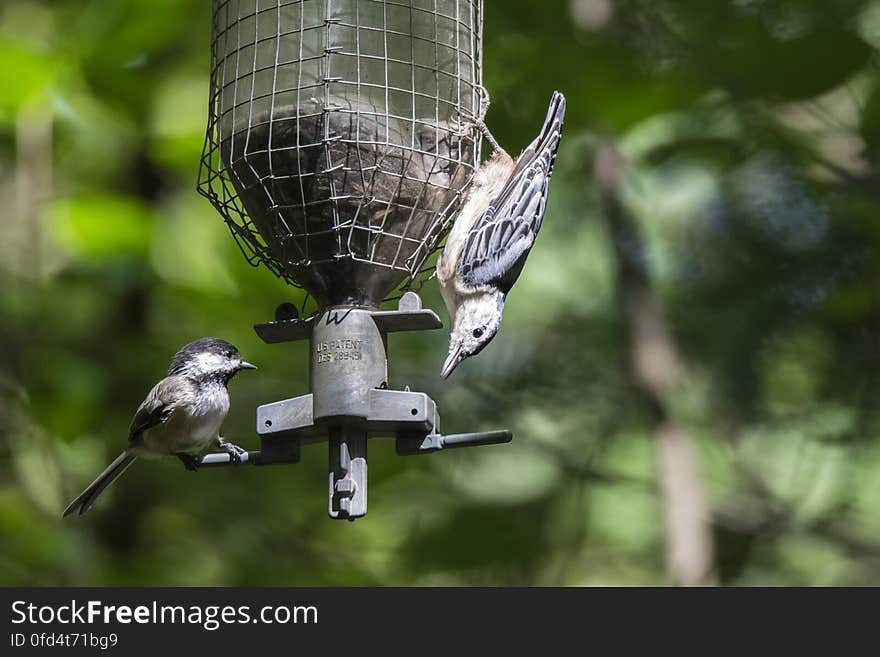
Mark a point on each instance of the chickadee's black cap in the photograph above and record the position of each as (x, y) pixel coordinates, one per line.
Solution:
(201, 346)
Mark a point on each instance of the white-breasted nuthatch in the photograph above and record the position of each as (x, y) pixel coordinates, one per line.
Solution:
(181, 415)
(493, 234)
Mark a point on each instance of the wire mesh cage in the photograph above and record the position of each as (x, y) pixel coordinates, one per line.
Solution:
(334, 149)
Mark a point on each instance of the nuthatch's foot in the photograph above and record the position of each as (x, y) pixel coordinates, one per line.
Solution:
(466, 125)
(189, 461)
(485, 101)
(235, 452)
(470, 123)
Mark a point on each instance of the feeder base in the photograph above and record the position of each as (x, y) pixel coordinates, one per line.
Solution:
(350, 401)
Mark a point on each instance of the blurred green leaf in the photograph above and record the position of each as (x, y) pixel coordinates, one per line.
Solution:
(101, 225)
(26, 75)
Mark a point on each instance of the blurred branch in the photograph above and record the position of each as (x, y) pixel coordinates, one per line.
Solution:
(768, 516)
(33, 183)
(656, 369)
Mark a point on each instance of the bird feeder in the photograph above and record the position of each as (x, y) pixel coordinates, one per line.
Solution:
(334, 154)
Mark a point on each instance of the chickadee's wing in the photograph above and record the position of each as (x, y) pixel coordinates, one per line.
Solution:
(158, 406)
(501, 238)
(161, 401)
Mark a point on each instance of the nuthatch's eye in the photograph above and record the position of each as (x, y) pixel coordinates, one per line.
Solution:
(229, 353)
(478, 333)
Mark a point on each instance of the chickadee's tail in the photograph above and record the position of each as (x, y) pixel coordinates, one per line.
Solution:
(87, 498)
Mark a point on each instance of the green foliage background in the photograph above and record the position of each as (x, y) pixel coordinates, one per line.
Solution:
(752, 129)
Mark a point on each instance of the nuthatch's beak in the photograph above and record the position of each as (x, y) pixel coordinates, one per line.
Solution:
(454, 358)
(244, 365)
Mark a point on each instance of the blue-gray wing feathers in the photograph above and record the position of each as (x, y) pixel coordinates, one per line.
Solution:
(501, 238)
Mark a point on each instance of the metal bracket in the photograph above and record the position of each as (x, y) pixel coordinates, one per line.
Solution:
(350, 401)
(409, 316)
(389, 412)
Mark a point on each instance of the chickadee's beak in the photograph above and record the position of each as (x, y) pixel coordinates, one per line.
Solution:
(244, 365)
(452, 360)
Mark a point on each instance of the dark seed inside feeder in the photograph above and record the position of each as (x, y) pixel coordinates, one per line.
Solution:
(342, 205)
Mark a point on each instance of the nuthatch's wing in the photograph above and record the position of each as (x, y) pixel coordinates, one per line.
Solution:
(158, 406)
(501, 238)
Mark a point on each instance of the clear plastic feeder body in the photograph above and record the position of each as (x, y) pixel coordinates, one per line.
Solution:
(334, 150)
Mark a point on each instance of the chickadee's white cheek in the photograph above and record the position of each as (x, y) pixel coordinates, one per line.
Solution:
(209, 362)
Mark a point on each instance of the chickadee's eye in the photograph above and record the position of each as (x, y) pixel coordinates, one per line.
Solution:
(478, 333)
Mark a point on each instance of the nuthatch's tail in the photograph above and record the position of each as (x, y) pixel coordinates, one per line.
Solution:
(87, 498)
(551, 131)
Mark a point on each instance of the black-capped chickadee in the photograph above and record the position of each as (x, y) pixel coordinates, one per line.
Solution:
(493, 234)
(181, 415)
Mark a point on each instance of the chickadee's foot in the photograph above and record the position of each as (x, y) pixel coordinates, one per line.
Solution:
(235, 452)
(189, 461)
